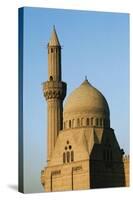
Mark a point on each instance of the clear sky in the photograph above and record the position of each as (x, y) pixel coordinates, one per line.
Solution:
(95, 44)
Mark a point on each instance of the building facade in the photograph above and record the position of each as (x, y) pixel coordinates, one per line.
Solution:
(83, 151)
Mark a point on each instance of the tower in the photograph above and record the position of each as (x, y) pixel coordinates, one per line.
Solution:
(54, 91)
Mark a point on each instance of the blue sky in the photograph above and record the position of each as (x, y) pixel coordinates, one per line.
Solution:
(95, 44)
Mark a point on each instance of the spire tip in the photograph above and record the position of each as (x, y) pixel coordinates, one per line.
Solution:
(85, 78)
(54, 27)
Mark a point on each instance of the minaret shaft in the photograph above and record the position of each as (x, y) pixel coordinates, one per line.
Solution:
(55, 121)
(54, 63)
(54, 91)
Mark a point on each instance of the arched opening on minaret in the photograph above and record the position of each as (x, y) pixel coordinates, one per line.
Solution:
(51, 78)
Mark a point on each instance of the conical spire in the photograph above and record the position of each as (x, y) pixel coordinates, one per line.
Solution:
(54, 41)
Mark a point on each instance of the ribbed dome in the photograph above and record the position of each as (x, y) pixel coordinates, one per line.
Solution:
(86, 98)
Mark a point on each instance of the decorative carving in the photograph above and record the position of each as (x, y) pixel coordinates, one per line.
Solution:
(54, 94)
(54, 90)
(77, 168)
(56, 172)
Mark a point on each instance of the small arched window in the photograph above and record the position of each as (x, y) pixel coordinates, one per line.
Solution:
(52, 50)
(68, 156)
(87, 121)
(69, 123)
(72, 156)
(67, 142)
(65, 147)
(70, 146)
(51, 78)
(64, 157)
(78, 122)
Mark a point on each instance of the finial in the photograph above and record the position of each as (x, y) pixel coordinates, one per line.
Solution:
(85, 78)
(54, 27)
(86, 81)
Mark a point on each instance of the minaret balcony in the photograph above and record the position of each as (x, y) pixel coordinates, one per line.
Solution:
(54, 89)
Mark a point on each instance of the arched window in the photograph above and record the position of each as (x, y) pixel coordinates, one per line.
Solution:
(69, 123)
(52, 50)
(78, 122)
(65, 147)
(72, 156)
(64, 157)
(51, 78)
(67, 142)
(68, 156)
(87, 121)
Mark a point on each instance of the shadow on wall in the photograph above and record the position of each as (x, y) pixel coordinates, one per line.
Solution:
(106, 164)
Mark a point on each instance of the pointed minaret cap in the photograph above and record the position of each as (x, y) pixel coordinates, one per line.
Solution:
(54, 41)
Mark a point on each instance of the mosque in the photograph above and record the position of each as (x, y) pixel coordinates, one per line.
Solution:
(82, 149)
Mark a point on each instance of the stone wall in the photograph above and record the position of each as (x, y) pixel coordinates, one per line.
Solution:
(72, 176)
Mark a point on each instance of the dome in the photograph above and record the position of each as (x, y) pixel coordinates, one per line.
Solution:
(86, 101)
(86, 98)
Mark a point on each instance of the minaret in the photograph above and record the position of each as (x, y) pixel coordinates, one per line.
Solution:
(54, 91)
